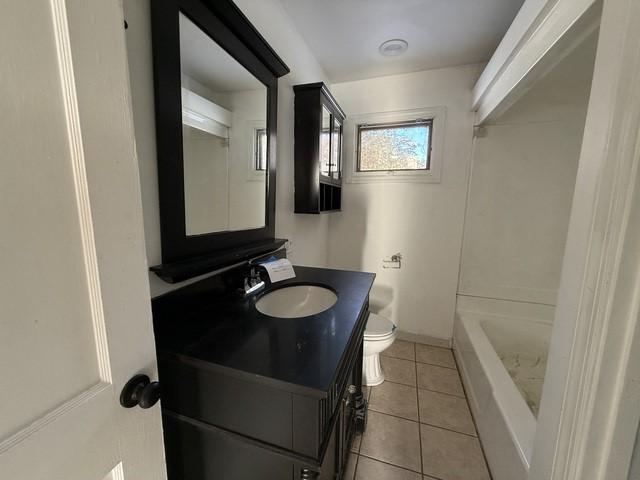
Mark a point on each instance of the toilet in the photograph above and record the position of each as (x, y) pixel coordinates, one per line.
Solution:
(379, 334)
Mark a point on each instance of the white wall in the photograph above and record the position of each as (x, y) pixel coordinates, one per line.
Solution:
(518, 214)
(423, 221)
(307, 233)
(522, 182)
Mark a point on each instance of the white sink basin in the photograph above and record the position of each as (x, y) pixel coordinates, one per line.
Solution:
(296, 301)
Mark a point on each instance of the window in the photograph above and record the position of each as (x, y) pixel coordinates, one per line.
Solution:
(395, 146)
(260, 149)
(386, 147)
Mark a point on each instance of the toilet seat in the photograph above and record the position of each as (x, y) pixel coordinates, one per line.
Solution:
(378, 327)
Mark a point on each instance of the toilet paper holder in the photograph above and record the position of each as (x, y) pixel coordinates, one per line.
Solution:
(394, 262)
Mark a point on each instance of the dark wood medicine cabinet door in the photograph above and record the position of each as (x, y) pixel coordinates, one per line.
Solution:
(319, 122)
(216, 90)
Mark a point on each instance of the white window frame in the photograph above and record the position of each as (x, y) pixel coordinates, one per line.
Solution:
(432, 175)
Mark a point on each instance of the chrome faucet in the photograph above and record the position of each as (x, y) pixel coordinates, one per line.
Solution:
(252, 281)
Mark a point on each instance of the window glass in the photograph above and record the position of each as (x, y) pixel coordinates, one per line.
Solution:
(394, 146)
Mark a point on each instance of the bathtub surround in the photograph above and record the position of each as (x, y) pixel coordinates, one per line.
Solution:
(522, 180)
(421, 220)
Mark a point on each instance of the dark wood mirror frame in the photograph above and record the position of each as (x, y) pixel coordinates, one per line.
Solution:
(187, 256)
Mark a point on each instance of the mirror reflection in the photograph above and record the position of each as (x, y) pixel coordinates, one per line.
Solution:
(336, 148)
(224, 132)
(324, 142)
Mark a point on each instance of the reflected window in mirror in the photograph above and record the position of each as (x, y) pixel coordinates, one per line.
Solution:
(225, 154)
(260, 149)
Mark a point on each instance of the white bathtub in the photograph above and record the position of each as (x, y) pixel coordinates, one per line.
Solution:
(506, 424)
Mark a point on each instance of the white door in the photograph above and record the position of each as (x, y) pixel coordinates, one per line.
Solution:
(75, 320)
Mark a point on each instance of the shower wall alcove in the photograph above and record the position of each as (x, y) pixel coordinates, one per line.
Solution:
(526, 151)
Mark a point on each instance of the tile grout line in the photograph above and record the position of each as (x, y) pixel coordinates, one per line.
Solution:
(415, 366)
(425, 423)
(417, 361)
(436, 365)
(427, 389)
(389, 463)
(401, 468)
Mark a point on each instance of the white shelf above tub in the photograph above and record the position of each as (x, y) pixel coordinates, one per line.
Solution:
(542, 34)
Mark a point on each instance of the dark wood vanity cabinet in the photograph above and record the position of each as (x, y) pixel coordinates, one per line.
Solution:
(221, 424)
(318, 131)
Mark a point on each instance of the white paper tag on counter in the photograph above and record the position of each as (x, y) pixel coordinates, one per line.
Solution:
(279, 270)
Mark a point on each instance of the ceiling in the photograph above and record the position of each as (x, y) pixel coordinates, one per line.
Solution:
(345, 35)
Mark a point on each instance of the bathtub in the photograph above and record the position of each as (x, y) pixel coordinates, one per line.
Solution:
(493, 353)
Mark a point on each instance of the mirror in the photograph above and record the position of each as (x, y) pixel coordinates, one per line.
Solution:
(224, 137)
(216, 109)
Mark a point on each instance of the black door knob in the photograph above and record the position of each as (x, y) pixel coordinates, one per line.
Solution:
(140, 390)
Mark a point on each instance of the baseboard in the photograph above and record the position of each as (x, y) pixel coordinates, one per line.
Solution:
(424, 339)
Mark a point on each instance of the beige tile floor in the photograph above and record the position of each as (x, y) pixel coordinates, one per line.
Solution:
(419, 425)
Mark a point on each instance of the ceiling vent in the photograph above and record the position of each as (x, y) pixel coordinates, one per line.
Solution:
(393, 48)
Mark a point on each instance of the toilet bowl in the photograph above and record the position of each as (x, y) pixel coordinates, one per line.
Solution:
(379, 334)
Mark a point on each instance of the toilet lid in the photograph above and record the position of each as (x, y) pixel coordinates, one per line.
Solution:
(378, 326)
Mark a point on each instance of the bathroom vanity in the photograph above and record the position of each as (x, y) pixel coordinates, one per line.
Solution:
(246, 395)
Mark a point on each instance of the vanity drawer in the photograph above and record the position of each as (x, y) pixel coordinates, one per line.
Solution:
(247, 408)
(195, 452)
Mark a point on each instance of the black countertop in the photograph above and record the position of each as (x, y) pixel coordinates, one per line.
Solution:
(204, 325)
